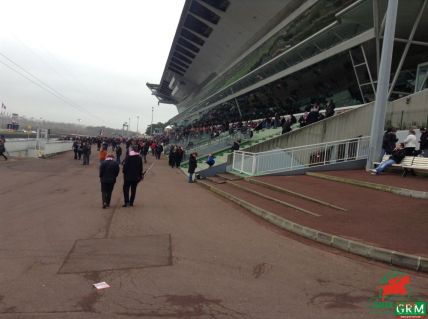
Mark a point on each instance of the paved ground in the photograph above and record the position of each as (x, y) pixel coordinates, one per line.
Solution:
(379, 218)
(224, 262)
(418, 183)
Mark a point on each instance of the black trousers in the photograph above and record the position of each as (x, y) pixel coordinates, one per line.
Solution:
(106, 190)
(126, 186)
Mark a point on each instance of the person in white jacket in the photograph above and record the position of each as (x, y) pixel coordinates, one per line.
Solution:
(410, 143)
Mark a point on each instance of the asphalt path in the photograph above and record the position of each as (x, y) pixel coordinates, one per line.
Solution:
(222, 262)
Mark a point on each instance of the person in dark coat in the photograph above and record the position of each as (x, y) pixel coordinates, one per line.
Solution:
(2, 147)
(397, 156)
(159, 150)
(75, 149)
(86, 151)
(423, 142)
(192, 166)
(179, 156)
(109, 169)
(389, 140)
(132, 174)
(118, 153)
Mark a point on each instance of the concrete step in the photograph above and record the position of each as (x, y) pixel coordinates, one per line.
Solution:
(216, 180)
(312, 228)
(229, 177)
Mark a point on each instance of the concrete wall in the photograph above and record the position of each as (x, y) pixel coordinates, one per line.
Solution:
(27, 147)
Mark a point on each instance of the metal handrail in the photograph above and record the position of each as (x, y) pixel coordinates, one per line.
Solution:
(301, 156)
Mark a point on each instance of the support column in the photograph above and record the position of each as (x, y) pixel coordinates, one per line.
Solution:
(381, 102)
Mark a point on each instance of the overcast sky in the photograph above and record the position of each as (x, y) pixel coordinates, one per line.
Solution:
(96, 54)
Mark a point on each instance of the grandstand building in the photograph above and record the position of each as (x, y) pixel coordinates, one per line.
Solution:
(248, 59)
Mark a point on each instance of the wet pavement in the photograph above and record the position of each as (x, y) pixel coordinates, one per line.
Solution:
(224, 262)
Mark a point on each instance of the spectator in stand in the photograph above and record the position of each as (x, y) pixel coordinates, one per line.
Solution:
(329, 109)
(293, 119)
(235, 146)
(109, 169)
(397, 156)
(303, 119)
(286, 127)
(423, 142)
(389, 141)
(410, 143)
(211, 160)
(192, 166)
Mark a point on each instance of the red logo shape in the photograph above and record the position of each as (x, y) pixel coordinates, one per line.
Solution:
(395, 286)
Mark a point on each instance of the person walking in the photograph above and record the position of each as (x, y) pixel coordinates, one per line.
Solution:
(75, 149)
(118, 153)
(192, 166)
(86, 151)
(132, 174)
(179, 156)
(159, 150)
(103, 154)
(109, 169)
(3, 147)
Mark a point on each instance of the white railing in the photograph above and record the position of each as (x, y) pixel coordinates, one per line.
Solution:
(301, 157)
(36, 148)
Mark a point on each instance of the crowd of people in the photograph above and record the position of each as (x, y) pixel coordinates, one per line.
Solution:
(398, 151)
(3, 147)
(110, 151)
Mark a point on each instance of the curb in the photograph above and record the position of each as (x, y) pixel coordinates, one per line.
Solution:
(391, 257)
(385, 188)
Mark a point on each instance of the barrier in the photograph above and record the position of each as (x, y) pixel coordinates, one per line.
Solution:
(295, 158)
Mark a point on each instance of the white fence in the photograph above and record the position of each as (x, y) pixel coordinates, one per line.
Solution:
(300, 157)
(36, 148)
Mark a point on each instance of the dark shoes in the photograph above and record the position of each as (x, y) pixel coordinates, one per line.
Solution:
(105, 205)
(128, 205)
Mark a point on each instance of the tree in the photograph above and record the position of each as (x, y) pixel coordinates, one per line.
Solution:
(158, 127)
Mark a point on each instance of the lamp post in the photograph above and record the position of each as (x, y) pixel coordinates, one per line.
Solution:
(123, 128)
(151, 126)
(78, 128)
(138, 122)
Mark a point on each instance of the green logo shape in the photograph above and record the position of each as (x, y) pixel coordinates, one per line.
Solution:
(407, 308)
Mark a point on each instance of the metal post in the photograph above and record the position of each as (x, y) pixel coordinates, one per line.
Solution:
(377, 32)
(407, 47)
(253, 165)
(138, 122)
(151, 126)
(379, 112)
